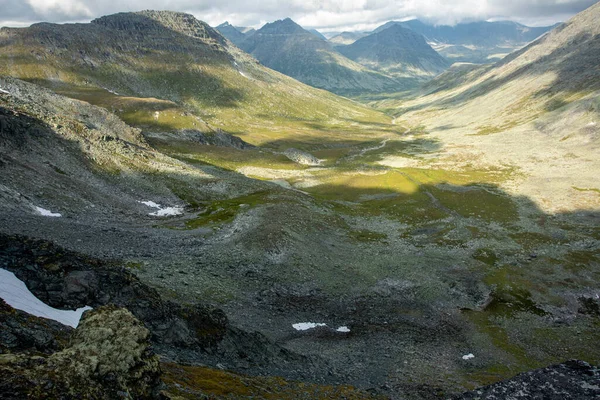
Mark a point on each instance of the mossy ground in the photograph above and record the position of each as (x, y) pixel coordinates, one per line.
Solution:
(185, 382)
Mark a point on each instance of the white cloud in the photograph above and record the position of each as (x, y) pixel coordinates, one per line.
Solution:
(326, 15)
(69, 8)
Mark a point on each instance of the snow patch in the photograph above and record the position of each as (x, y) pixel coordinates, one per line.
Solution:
(243, 74)
(111, 91)
(468, 356)
(304, 326)
(47, 213)
(168, 212)
(343, 329)
(163, 211)
(4, 91)
(14, 292)
(151, 204)
(591, 124)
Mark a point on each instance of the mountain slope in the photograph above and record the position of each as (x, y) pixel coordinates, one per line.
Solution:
(537, 109)
(168, 71)
(346, 38)
(317, 34)
(479, 42)
(396, 51)
(286, 47)
(231, 33)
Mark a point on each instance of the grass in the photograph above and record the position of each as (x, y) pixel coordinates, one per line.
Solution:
(190, 382)
(223, 211)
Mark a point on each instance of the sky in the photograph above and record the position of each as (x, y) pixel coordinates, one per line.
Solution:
(325, 15)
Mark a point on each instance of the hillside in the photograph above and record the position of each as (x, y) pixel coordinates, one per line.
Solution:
(396, 51)
(169, 71)
(541, 100)
(480, 42)
(286, 47)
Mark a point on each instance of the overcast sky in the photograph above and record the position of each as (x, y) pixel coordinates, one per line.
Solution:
(325, 15)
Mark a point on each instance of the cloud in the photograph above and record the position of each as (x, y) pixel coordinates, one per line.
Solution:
(327, 15)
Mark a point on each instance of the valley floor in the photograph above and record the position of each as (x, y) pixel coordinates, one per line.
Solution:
(426, 248)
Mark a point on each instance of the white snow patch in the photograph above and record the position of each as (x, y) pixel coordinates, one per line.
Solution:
(304, 326)
(4, 91)
(168, 212)
(15, 294)
(47, 213)
(468, 356)
(591, 124)
(151, 204)
(343, 329)
(243, 74)
(111, 91)
(163, 211)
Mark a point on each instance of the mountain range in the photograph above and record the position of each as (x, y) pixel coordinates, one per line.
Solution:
(241, 234)
(286, 47)
(479, 42)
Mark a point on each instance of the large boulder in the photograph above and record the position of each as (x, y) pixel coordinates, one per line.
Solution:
(572, 380)
(109, 357)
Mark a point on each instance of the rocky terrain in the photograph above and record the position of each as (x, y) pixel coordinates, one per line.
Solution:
(276, 240)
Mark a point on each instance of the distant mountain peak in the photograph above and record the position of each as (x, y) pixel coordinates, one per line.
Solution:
(282, 26)
(151, 21)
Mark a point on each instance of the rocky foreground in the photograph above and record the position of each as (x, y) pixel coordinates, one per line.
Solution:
(134, 344)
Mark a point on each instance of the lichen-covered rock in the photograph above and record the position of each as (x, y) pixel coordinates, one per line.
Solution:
(572, 380)
(301, 157)
(109, 357)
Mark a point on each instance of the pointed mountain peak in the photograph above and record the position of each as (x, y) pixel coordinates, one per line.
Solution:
(282, 26)
(225, 24)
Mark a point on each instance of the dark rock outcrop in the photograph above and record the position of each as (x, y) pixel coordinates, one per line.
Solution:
(572, 380)
(188, 333)
(22, 332)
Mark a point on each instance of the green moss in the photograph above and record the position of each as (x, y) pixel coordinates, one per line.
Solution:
(532, 240)
(134, 265)
(577, 260)
(367, 236)
(193, 382)
(478, 203)
(586, 189)
(224, 211)
(485, 255)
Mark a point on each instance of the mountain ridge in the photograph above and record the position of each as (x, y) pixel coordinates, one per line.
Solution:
(396, 51)
(288, 48)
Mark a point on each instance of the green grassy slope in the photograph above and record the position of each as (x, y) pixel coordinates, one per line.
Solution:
(183, 63)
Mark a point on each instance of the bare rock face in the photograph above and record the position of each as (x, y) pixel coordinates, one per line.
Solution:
(20, 332)
(576, 380)
(109, 357)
